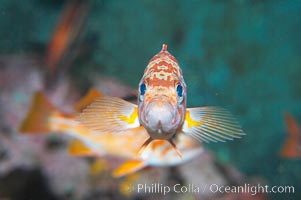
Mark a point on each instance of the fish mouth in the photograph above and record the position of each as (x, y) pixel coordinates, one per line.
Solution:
(162, 112)
(161, 119)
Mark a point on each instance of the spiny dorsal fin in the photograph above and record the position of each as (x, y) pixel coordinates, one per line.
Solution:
(87, 99)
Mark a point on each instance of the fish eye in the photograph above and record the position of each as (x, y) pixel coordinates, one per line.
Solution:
(180, 90)
(142, 89)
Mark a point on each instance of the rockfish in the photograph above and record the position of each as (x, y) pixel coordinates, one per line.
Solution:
(161, 109)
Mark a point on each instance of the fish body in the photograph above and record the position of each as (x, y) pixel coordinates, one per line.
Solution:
(45, 118)
(162, 96)
(161, 109)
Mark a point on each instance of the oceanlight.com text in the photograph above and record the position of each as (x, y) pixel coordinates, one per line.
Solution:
(251, 189)
(160, 188)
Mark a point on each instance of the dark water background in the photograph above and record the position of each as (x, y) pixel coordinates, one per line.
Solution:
(242, 55)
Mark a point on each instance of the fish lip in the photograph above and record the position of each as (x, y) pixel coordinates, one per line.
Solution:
(160, 127)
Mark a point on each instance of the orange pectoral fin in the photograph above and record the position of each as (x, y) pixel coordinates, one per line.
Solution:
(87, 99)
(77, 148)
(211, 124)
(129, 167)
(37, 118)
(110, 114)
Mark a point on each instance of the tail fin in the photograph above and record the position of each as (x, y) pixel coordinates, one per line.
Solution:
(36, 120)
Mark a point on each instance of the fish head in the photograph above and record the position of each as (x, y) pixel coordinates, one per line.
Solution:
(162, 96)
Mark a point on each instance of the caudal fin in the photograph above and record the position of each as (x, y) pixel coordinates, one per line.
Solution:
(37, 118)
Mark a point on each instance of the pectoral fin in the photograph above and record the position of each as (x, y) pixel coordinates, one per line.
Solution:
(211, 124)
(77, 148)
(110, 114)
(129, 167)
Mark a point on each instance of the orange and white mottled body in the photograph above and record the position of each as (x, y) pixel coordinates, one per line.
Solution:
(162, 96)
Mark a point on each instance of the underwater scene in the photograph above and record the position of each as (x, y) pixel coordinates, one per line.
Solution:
(144, 100)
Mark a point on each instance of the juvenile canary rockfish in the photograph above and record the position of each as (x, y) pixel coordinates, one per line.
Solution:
(161, 109)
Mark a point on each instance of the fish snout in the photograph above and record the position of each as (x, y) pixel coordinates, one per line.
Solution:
(161, 120)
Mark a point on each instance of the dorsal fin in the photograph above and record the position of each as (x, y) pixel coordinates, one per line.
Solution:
(164, 47)
(87, 99)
